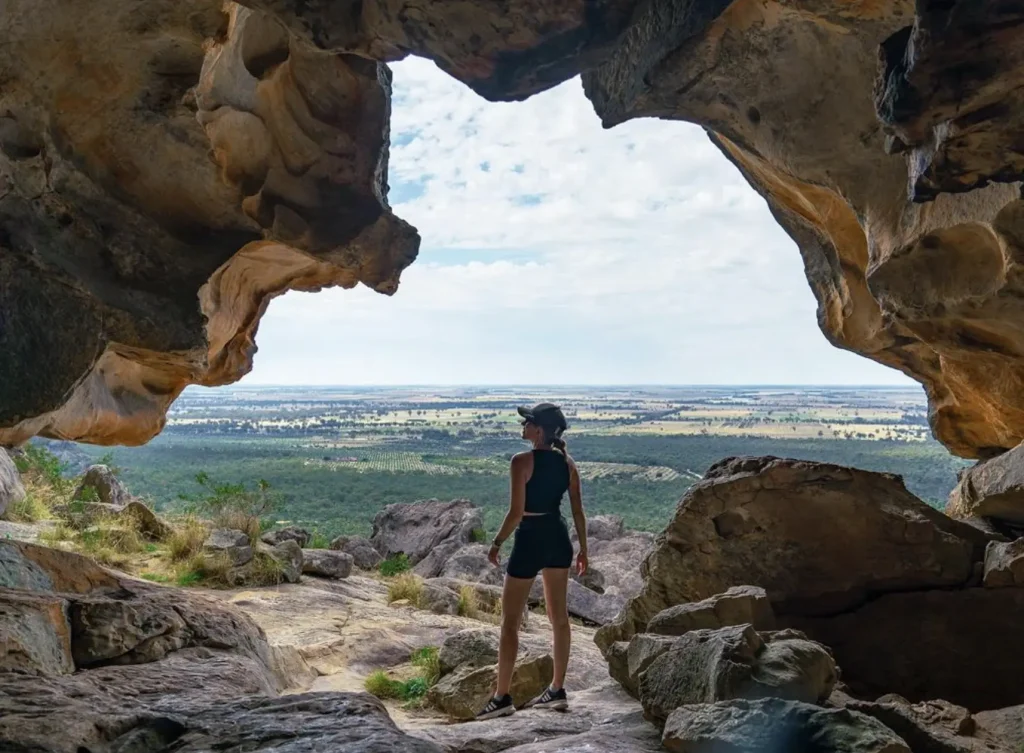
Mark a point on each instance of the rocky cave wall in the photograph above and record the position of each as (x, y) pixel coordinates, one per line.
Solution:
(167, 167)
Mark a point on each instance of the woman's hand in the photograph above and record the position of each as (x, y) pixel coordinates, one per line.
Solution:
(581, 563)
(493, 555)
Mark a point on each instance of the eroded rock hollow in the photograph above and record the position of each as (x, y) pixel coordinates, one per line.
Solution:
(168, 167)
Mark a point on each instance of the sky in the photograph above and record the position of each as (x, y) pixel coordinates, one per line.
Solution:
(556, 252)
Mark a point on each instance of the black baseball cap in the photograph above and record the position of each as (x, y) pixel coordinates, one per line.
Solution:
(544, 414)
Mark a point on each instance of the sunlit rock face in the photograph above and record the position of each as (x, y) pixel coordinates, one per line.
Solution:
(166, 168)
(146, 146)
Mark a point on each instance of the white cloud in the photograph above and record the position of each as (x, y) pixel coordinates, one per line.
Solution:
(632, 255)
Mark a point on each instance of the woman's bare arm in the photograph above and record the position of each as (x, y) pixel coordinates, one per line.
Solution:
(518, 474)
(578, 516)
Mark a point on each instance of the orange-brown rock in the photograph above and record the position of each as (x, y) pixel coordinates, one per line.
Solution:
(883, 136)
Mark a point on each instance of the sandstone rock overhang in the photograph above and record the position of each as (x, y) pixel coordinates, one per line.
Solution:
(167, 167)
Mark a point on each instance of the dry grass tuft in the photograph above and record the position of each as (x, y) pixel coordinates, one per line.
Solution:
(406, 586)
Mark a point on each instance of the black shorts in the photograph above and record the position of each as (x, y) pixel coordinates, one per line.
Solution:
(541, 541)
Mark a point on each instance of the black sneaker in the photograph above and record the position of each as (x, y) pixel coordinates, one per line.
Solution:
(497, 707)
(555, 700)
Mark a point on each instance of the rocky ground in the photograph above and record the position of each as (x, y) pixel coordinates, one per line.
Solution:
(787, 606)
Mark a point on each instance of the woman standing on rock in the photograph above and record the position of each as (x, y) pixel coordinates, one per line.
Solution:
(540, 479)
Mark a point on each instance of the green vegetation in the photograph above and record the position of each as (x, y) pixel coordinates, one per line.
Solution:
(413, 689)
(233, 506)
(478, 536)
(408, 587)
(318, 540)
(155, 577)
(395, 564)
(469, 603)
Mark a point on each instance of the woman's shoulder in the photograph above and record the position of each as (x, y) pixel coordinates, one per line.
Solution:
(522, 458)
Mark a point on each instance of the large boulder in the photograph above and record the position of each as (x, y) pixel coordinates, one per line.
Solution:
(929, 726)
(992, 488)
(418, 528)
(35, 634)
(706, 666)
(470, 563)
(1004, 564)
(288, 556)
(591, 606)
(626, 661)
(601, 528)
(11, 489)
(737, 606)
(291, 533)
(145, 520)
(101, 484)
(475, 647)
(463, 692)
(818, 538)
(773, 725)
(326, 563)
(439, 599)
(949, 644)
(364, 556)
(229, 543)
(592, 579)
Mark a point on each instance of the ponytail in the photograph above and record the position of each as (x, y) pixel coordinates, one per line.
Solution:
(556, 441)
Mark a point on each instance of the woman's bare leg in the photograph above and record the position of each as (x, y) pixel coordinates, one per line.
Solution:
(556, 585)
(513, 602)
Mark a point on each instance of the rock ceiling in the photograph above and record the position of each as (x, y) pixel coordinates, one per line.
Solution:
(169, 166)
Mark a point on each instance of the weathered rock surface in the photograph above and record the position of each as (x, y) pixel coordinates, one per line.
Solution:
(360, 549)
(737, 606)
(772, 724)
(35, 635)
(592, 579)
(476, 647)
(327, 564)
(226, 542)
(419, 528)
(591, 606)
(463, 692)
(626, 661)
(470, 563)
(292, 533)
(706, 666)
(907, 269)
(439, 599)
(992, 489)
(288, 555)
(175, 254)
(616, 553)
(817, 538)
(1004, 564)
(11, 489)
(926, 727)
(101, 484)
(930, 644)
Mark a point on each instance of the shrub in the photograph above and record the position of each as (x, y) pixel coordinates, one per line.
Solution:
(38, 463)
(382, 686)
(264, 570)
(318, 541)
(469, 602)
(186, 540)
(233, 506)
(425, 659)
(188, 578)
(30, 509)
(395, 564)
(478, 536)
(406, 586)
(155, 577)
(58, 534)
(208, 570)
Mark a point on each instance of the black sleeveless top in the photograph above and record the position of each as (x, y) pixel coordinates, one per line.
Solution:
(549, 482)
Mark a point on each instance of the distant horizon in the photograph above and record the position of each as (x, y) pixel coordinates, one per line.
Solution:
(565, 385)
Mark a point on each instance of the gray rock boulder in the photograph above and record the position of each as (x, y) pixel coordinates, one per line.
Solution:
(627, 661)
(439, 599)
(1004, 564)
(470, 563)
(418, 528)
(601, 528)
(739, 605)
(477, 647)
(596, 608)
(288, 555)
(229, 543)
(992, 489)
(326, 563)
(592, 579)
(100, 484)
(364, 556)
(11, 489)
(818, 538)
(462, 693)
(145, 520)
(773, 725)
(706, 666)
(292, 533)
